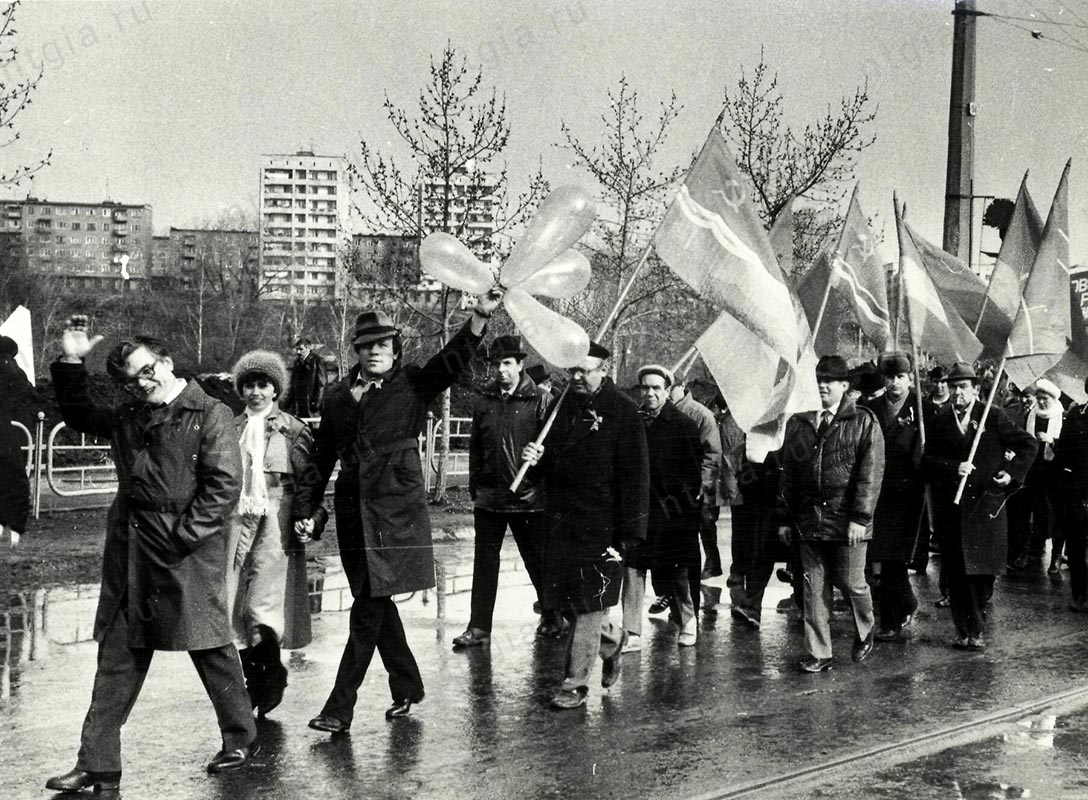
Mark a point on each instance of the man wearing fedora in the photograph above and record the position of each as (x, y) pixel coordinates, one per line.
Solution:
(832, 466)
(507, 416)
(972, 534)
(596, 471)
(898, 517)
(371, 422)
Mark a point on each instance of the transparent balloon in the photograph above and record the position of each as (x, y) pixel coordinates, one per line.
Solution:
(562, 277)
(561, 220)
(445, 259)
(558, 340)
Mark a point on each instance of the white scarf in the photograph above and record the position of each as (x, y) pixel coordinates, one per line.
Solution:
(254, 499)
(1053, 417)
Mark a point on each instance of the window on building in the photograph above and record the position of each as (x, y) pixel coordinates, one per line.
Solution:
(76, 226)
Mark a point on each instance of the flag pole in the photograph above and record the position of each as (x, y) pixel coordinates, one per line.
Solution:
(981, 426)
(611, 318)
(686, 361)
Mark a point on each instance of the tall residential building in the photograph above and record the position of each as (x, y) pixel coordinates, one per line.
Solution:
(225, 258)
(86, 243)
(472, 208)
(379, 264)
(304, 205)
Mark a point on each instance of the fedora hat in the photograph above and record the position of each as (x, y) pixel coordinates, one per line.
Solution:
(372, 326)
(962, 371)
(505, 347)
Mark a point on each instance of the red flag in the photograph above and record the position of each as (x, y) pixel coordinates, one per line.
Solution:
(933, 324)
(758, 350)
(1042, 331)
(1018, 251)
(811, 290)
(859, 275)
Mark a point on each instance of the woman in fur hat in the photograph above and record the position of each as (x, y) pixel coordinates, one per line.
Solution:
(266, 577)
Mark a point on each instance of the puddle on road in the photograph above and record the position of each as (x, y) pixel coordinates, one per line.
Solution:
(1043, 756)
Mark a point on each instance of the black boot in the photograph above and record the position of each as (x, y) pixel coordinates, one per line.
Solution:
(273, 672)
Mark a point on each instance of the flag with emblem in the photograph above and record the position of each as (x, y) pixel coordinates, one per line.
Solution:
(758, 350)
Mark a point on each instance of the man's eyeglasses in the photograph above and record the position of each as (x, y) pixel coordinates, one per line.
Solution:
(132, 385)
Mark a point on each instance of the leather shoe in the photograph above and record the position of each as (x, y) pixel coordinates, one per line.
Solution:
(813, 664)
(863, 647)
(323, 722)
(553, 630)
(745, 616)
(976, 643)
(709, 572)
(960, 643)
(402, 708)
(472, 638)
(569, 698)
(226, 760)
(610, 667)
(77, 779)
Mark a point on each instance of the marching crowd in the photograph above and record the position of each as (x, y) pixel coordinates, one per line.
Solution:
(205, 544)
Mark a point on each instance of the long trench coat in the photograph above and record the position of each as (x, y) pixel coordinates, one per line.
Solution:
(596, 478)
(977, 526)
(898, 515)
(675, 456)
(179, 470)
(382, 525)
(288, 443)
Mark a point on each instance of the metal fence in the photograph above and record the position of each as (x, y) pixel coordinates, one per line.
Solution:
(64, 464)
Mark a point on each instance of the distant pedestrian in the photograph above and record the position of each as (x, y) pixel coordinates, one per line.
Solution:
(507, 416)
(832, 465)
(595, 468)
(17, 400)
(308, 380)
(972, 532)
(164, 562)
(671, 549)
(266, 579)
(898, 516)
(371, 422)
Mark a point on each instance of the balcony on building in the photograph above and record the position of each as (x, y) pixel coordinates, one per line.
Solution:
(120, 215)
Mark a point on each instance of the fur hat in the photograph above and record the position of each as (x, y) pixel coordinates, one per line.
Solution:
(895, 363)
(938, 374)
(263, 363)
(1043, 386)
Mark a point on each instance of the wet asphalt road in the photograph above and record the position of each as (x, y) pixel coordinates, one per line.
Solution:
(727, 715)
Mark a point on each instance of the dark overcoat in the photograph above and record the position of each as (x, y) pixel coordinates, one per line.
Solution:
(17, 404)
(898, 515)
(382, 524)
(179, 472)
(977, 526)
(675, 459)
(597, 479)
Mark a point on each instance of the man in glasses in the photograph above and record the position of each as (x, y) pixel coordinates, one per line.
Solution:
(164, 561)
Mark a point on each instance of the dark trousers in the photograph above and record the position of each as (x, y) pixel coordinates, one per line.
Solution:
(117, 683)
(490, 531)
(374, 622)
(708, 535)
(895, 596)
(1072, 521)
(967, 596)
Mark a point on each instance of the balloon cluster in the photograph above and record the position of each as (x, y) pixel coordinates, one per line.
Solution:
(542, 264)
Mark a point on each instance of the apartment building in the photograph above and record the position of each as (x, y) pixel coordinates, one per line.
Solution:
(303, 210)
(473, 207)
(96, 246)
(222, 258)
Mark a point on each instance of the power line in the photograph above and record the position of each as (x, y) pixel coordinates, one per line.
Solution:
(1036, 34)
(1064, 28)
(1047, 21)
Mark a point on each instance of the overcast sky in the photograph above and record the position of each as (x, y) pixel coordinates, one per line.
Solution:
(173, 103)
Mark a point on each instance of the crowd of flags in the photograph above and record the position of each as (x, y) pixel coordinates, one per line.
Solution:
(761, 349)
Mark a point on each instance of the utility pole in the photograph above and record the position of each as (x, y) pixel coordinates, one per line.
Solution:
(962, 109)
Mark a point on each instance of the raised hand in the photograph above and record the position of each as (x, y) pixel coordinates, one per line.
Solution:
(74, 342)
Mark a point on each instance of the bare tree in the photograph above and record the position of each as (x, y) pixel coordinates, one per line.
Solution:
(815, 164)
(633, 187)
(454, 135)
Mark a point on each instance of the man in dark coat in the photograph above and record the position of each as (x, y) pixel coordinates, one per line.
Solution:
(898, 516)
(832, 464)
(164, 564)
(370, 423)
(596, 472)
(671, 550)
(1071, 504)
(972, 535)
(507, 416)
(308, 381)
(18, 402)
